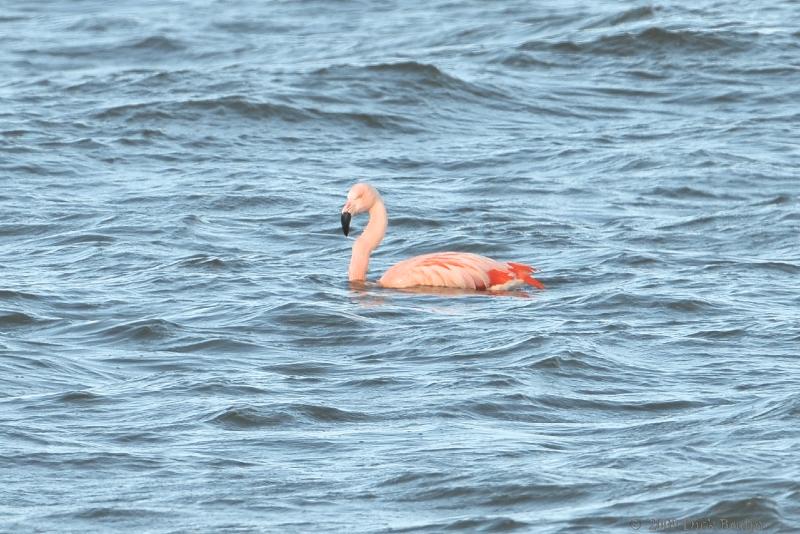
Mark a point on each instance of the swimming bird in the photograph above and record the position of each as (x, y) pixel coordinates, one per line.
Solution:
(440, 269)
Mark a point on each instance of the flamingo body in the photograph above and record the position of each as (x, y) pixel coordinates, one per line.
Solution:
(460, 270)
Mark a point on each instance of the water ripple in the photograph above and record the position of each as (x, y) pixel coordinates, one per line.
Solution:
(181, 349)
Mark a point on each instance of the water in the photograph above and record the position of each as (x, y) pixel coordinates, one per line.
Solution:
(181, 350)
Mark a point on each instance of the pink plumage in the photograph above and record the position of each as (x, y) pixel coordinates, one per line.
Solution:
(441, 269)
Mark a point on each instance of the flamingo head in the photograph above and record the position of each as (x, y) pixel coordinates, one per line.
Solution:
(360, 199)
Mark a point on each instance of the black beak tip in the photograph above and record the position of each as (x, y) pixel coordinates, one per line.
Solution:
(346, 222)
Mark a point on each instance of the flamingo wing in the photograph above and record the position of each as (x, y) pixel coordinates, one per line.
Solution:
(458, 270)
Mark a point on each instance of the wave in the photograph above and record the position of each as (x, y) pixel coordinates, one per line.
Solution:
(418, 80)
(80, 397)
(108, 513)
(249, 417)
(44, 169)
(89, 461)
(682, 192)
(752, 514)
(10, 294)
(697, 221)
(712, 334)
(302, 316)
(99, 24)
(490, 493)
(77, 143)
(409, 70)
(328, 414)
(472, 524)
(777, 200)
(522, 60)
(651, 40)
(571, 361)
(21, 229)
(377, 382)
(785, 408)
(141, 330)
(309, 368)
(627, 301)
(155, 43)
(82, 238)
(223, 345)
(244, 107)
(780, 266)
(207, 261)
(240, 26)
(224, 386)
(246, 417)
(11, 318)
(635, 14)
(173, 109)
(632, 259)
(613, 405)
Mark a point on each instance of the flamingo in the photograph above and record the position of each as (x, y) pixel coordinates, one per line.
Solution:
(440, 269)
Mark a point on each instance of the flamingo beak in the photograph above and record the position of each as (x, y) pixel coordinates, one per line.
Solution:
(346, 222)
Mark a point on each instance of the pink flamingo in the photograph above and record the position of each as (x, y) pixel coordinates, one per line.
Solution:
(440, 269)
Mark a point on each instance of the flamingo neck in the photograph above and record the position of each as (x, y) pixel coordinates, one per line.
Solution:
(368, 241)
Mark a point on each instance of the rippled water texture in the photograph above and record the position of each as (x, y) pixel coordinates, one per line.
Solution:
(181, 351)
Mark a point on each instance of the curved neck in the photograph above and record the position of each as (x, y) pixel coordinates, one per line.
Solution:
(368, 241)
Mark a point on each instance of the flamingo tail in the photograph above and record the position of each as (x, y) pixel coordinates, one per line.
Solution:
(523, 272)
